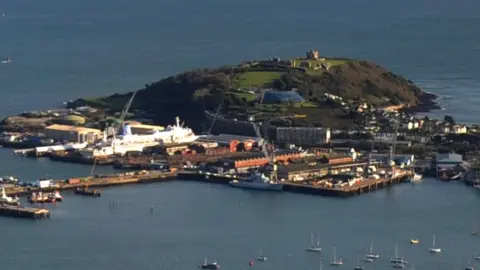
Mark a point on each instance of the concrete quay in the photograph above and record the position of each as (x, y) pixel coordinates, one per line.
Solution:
(111, 180)
(365, 186)
(24, 212)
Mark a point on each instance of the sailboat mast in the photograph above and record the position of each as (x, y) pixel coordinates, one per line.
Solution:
(433, 244)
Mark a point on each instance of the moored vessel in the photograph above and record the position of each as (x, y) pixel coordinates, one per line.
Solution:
(87, 192)
(257, 181)
(207, 265)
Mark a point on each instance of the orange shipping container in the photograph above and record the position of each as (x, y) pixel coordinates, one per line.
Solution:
(73, 181)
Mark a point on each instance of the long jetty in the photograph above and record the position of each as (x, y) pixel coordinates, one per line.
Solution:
(109, 180)
(24, 212)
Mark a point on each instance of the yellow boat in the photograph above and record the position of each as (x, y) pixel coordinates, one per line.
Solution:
(414, 241)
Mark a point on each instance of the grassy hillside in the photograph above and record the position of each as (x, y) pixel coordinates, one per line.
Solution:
(190, 93)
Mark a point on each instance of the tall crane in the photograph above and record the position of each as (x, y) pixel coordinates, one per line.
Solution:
(209, 132)
(124, 113)
(391, 158)
(269, 156)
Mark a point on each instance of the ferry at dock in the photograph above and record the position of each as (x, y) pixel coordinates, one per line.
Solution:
(129, 142)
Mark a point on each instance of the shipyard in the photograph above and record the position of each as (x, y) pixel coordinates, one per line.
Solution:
(308, 160)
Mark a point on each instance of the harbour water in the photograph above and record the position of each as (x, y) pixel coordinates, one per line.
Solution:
(63, 50)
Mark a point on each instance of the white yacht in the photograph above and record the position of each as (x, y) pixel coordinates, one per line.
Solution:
(434, 249)
(7, 61)
(261, 257)
(370, 253)
(335, 261)
(314, 247)
(257, 180)
(396, 259)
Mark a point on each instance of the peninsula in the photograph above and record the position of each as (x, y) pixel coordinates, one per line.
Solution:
(310, 91)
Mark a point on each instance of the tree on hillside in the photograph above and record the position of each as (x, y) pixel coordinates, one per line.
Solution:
(449, 119)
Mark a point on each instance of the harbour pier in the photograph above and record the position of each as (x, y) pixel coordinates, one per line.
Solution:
(24, 212)
(109, 180)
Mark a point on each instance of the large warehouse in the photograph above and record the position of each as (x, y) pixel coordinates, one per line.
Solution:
(72, 133)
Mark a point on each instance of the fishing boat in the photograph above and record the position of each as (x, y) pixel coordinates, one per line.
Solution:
(469, 267)
(414, 241)
(8, 200)
(396, 259)
(370, 253)
(434, 249)
(213, 265)
(314, 247)
(42, 198)
(335, 261)
(261, 257)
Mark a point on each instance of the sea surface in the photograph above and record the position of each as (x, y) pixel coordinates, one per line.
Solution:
(62, 50)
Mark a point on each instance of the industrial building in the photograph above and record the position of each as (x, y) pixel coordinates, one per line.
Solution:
(400, 160)
(303, 136)
(233, 142)
(72, 133)
(448, 160)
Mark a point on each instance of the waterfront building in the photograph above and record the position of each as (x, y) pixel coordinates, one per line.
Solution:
(303, 136)
(72, 133)
(448, 160)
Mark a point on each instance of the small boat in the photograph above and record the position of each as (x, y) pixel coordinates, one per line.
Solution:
(414, 241)
(398, 265)
(366, 259)
(477, 258)
(359, 266)
(261, 257)
(7, 61)
(469, 268)
(416, 177)
(86, 192)
(434, 249)
(475, 231)
(335, 261)
(213, 265)
(370, 253)
(314, 247)
(58, 197)
(396, 259)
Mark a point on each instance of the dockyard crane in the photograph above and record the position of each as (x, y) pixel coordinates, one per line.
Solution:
(269, 156)
(391, 158)
(209, 132)
(124, 113)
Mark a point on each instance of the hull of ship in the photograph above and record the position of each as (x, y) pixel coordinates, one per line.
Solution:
(259, 186)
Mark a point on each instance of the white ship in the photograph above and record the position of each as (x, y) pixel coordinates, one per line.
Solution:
(129, 142)
(257, 181)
